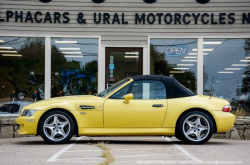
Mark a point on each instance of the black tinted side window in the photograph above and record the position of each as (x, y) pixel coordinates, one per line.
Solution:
(148, 90)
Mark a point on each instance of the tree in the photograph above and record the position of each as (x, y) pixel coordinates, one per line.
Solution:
(160, 66)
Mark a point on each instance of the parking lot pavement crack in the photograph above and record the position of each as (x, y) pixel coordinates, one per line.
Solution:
(106, 154)
(90, 138)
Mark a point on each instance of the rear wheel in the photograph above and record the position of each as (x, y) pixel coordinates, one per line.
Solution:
(195, 127)
(56, 127)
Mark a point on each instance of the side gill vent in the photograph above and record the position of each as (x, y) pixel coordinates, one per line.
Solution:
(87, 107)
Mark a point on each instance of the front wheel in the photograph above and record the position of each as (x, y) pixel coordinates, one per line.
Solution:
(56, 127)
(195, 127)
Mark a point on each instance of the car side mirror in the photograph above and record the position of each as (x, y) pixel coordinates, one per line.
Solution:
(127, 98)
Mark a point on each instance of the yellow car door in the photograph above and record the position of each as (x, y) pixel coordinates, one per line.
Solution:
(147, 109)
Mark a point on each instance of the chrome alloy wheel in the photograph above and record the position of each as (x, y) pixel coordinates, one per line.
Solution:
(56, 127)
(196, 128)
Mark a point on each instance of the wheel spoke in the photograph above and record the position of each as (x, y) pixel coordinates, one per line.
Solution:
(190, 131)
(203, 128)
(63, 124)
(62, 132)
(190, 124)
(53, 134)
(198, 121)
(55, 120)
(198, 135)
(49, 126)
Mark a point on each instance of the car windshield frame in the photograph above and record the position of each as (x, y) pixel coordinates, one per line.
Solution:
(112, 88)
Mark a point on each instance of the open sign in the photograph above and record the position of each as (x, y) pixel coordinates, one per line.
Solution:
(176, 51)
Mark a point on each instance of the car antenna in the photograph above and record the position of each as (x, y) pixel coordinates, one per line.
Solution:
(211, 88)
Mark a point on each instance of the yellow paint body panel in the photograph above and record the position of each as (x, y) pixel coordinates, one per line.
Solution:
(176, 107)
(126, 131)
(29, 127)
(91, 119)
(136, 114)
(113, 117)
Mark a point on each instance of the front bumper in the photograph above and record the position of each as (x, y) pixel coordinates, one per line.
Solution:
(224, 121)
(28, 124)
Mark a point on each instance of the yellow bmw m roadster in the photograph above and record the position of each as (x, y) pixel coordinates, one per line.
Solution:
(139, 105)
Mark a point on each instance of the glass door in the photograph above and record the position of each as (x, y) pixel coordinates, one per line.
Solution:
(122, 63)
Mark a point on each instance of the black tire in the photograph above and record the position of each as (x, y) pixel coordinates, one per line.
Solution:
(44, 132)
(184, 128)
(178, 136)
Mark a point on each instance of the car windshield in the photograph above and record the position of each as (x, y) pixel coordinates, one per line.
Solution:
(113, 87)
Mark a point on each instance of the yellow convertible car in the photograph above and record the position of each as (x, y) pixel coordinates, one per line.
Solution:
(135, 106)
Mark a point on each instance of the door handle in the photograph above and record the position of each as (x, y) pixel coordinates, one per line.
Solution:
(157, 105)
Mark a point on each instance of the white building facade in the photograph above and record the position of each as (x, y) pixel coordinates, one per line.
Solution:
(78, 47)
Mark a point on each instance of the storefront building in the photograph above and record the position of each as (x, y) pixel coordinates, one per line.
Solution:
(59, 48)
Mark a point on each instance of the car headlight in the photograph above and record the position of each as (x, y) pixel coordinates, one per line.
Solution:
(28, 112)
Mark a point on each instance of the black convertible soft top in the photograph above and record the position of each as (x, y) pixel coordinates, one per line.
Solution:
(173, 88)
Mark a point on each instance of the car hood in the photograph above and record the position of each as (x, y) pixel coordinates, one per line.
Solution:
(78, 97)
(67, 102)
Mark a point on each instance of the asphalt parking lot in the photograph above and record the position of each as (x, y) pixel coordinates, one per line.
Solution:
(125, 150)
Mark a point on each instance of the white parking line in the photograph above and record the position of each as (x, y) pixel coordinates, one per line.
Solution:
(128, 156)
(70, 161)
(120, 149)
(54, 157)
(79, 158)
(131, 156)
(193, 158)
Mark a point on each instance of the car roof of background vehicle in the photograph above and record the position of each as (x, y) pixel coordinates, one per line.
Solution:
(173, 88)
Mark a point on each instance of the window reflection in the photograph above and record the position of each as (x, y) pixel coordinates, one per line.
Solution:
(74, 66)
(148, 90)
(227, 72)
(175, 57)
(22, 59)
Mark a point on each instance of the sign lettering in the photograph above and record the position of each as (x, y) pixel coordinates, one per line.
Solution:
(176, 51)
(120, 18)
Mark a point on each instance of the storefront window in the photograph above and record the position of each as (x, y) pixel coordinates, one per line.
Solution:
(175, 57)
(227, 72)
(22, 65)
(74, 66)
